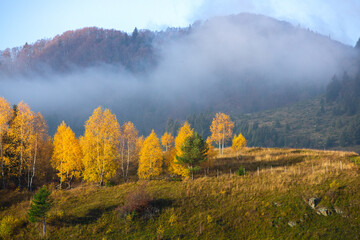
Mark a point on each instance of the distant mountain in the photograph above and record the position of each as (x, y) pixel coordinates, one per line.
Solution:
(137, 52)
(84, 48)
(235, 64)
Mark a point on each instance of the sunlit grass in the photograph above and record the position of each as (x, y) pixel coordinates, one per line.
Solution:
(218, 204)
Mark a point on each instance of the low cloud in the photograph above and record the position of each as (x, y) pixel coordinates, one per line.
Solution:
(236, 64)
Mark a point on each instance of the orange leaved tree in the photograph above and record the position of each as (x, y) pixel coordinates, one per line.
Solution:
(67, 154)
(150, 157)
(221, 130)
(100, 146)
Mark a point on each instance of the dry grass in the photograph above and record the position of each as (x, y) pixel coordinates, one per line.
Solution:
(215, 205)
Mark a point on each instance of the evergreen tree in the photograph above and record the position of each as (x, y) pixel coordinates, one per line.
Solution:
(358, 44)
(40, 205)
(194, 151)
(135, 34)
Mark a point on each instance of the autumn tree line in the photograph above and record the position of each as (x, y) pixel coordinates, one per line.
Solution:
(106, 151)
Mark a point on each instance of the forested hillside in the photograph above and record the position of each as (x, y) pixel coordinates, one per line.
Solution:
(328, 121)
(157, 80)
(87, 47)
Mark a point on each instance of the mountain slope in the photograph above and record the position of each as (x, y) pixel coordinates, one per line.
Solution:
(328, 121)
(234, 64)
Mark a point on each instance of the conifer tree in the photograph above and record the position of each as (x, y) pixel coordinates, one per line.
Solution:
(193, 152)
(41, 204)
(150, 158)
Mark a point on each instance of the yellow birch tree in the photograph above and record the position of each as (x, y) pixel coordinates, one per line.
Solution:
(38, 136)
(6, 114)
(150, 157)
(167, 140)
(238, 143)
(175, 167)
(100, 146)
(221, 130)
(21, 131)
(210, 155)
(128, 147)
(67, 154)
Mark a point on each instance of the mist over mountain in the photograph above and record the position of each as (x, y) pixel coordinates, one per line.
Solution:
(235, 64)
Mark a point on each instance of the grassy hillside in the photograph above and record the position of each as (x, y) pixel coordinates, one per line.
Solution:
(309, 124)
(269, 202)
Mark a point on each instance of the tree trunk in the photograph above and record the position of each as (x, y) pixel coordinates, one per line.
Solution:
(44, 227)
(101, 179)
(219, 146)
(2, 164)
(98, 155)
(61, 173)
(122, 158)
(34, 166)
(70, 182)
(128, 162)
(223, 142)
(21, 155)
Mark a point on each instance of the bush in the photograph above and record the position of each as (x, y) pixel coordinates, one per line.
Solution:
(7, 227)
(110, 184)
(137, 202)
(241, 171)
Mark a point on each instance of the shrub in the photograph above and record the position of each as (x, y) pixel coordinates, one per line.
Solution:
(241, 171)
(137, 202)
(110, 184)
(7, 226)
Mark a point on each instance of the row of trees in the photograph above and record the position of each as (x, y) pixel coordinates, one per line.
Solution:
(105, 151)
(24, 144)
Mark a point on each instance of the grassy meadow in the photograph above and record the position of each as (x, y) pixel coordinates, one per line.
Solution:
(269, 202)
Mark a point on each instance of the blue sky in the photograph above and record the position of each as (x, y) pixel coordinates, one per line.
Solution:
(30, 20)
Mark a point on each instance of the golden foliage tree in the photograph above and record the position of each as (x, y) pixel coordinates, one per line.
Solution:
(45, 172)
(6, 114)
(67, 154)
(100, 146)
(128, 147)
(221, 130)
(21, 131)
(238, 143)
(38, 137)
(175, 167)
(167, 140)
(211, 153)
(150, 160)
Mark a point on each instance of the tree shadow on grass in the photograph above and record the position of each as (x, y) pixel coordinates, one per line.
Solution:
(154, 208)
(9, 198)
(251, 165)
(91, 216)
